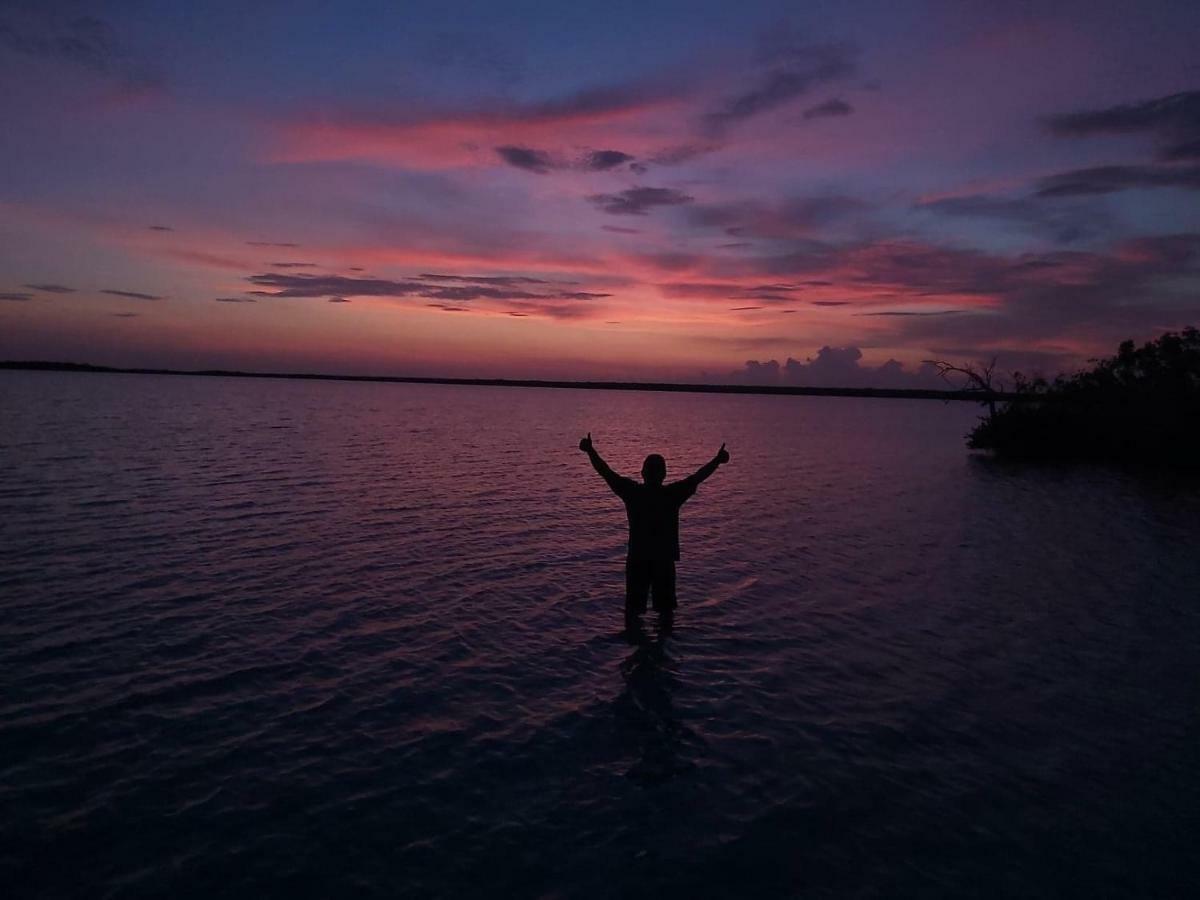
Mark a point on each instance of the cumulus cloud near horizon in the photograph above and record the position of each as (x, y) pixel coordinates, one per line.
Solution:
(837, 367)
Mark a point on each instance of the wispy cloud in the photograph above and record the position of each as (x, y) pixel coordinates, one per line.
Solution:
(509, 132)
(484, 279)
(1064, 223)
(86, 42)
(1173, 119)
(789, 218)
(526, 158)
(133, 295)
(903, 313)
(541, 162)
(1110, 179)
(829, 109)
(791, 70)
(603, 160)
(538, 295)
(51, 288)
(637, 201)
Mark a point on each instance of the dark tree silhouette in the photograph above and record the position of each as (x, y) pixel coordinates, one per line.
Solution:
(1141, 405)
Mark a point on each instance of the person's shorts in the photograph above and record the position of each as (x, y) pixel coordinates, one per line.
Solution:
(645, 577)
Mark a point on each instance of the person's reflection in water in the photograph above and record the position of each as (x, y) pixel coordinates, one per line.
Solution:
(645, 707)
(653, 511)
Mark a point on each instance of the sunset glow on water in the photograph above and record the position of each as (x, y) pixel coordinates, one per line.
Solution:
(289, 637)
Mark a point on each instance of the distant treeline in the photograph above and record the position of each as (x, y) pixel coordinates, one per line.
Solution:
(1141, 405)
(892, 393)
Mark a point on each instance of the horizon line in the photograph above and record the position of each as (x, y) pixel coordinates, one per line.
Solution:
(666, 387)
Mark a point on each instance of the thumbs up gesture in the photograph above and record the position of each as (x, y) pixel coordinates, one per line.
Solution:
(722, 455)
(585, 444)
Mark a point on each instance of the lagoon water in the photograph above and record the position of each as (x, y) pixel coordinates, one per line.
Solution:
(278, 638)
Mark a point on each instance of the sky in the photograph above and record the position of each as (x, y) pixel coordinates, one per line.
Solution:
(768, 192)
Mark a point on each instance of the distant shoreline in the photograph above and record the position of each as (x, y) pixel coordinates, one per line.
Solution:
(668, 387)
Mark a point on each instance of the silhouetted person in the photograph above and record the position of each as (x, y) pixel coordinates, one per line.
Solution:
(653, 510)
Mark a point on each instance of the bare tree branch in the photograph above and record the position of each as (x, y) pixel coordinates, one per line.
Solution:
(979, 378)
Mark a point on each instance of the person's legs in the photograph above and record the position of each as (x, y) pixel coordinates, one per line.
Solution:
(637, 586)
(662, 583)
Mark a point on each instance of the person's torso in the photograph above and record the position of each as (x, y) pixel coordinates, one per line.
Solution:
(653, 522)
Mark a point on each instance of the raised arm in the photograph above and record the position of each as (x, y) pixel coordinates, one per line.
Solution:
(708, 468)
(614, 481)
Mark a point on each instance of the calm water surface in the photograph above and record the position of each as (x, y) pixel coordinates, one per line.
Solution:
(269, 638)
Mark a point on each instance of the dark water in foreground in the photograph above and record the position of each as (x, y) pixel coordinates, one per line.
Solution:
(323, 639)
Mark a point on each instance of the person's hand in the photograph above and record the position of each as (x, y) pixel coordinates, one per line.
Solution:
(722, 455)
(585, 444)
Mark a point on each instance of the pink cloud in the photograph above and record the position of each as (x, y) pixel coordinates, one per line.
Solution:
(637, 122)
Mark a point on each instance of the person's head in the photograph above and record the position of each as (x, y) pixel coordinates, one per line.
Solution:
(654, 469)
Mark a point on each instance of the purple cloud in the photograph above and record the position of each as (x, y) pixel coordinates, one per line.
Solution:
(526, 158)
(792, 71)
(603, 160)
(837, 367)
(51, 288)
(1174, 119)
(133, 295)
(1109, 179)
(829, 109)
(638, 201)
